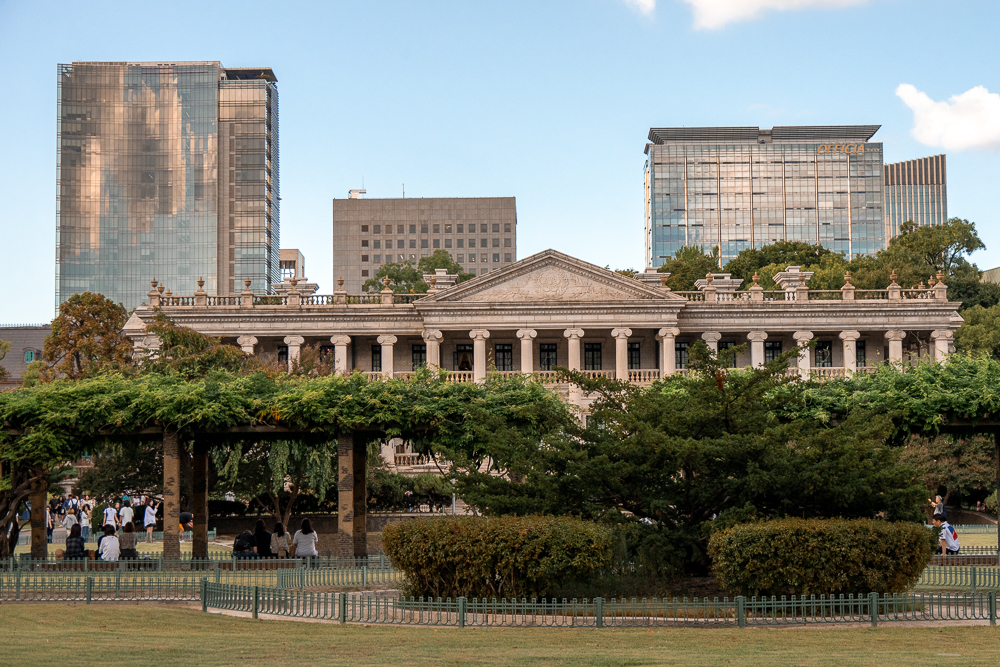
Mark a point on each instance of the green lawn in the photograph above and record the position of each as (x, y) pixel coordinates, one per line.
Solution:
(977, 539)
(68, 635)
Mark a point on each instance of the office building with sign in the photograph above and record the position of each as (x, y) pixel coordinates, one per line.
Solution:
(744, 187)
(916, 190)
(480, 233)
(166, 170)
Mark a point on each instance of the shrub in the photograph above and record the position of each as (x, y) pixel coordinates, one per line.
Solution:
(820, 556)
(991, 503)
(507, 556)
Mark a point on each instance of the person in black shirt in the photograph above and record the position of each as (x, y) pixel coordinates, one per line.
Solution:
(263, 540)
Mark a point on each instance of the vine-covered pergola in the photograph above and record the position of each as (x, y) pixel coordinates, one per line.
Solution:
(55, 422)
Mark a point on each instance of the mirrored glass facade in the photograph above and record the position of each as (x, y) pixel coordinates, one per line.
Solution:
(142, 170)
(916, 190)
(743, 187)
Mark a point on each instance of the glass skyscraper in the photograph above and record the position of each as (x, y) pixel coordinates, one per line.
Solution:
(166, 170)
(743, 187)
(916, 190)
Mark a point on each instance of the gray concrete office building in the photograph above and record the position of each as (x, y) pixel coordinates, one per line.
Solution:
(917, 191)
(480, 233)
(166, 170)
(746, 187)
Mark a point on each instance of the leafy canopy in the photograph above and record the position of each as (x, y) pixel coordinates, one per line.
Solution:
(689, 264)
(86, 337)
(404, 278)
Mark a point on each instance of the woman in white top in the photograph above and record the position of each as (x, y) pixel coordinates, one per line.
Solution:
(85, 522)
(110, 546)
(149, 519)
(305, 541)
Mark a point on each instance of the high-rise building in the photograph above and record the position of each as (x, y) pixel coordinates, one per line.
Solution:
(480, 233)
(915, 190)
(744, 187)
(166, 170)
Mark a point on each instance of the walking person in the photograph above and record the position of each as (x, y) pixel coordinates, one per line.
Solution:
(279, 541)
(305, 541)
(48, 522)
(75, 546)
(949, 537)
(149, 519)
(70, 520)
(110, 518)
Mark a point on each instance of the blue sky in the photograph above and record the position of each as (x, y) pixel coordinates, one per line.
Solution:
(547, 101)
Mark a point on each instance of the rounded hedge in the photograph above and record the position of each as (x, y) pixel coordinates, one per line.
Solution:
(502, 557)
(820, 556)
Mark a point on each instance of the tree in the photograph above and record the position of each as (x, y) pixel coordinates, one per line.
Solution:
(952, 463)
(672, 462)
(782, 254)
(689, 264)
(126, 466)
(404, 278)
(980, 333)
(86, 335)
(4, 349)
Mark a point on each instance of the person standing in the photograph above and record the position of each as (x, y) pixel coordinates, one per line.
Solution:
(110, 518)
(125, 514)
(149, 519)
(48, 522)
(305, 541)
(949, 537)
(70, 520)
(84, 522)
(937, 506)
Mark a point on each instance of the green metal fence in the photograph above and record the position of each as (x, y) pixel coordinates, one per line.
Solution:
(972, 529)
(974, 577)
(740, 612)
(378, 567)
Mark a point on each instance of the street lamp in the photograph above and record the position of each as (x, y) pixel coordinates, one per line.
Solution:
(453, 496)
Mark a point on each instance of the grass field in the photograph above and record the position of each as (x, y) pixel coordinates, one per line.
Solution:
(154, 549)
(977, 539)
(65, 635)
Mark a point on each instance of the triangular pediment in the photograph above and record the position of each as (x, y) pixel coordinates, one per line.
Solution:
(549, 276)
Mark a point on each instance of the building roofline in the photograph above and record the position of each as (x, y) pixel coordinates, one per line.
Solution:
(783, 134)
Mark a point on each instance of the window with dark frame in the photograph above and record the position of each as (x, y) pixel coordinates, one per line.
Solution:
(377, 358)
(860, 353)
(634, 356)
(728, 359)
(503, 356)
(591, 356)
(772, 350)
(463, 357)
(681, 354)
(419, 352)
(547, 356)
(282, 354)
(824, 354)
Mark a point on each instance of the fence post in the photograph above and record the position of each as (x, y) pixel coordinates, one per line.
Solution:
(973, 580)
(364, 575)
(88, 587)
(461, 612)
(17, 594)
(204, 593)
(118, 583)
(991, 600)
(741, 612)
(256, 601)
(343, 607)
(873, 606)
(599, 612)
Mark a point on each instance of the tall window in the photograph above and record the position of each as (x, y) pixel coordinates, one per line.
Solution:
(681, 355)
(859, 347)
(824, 354)
(772, 350)
(29, 356)
(282, 354)
(592, 356)
(419, 355)
(504, 356)
(377, 358)
(634, 358)
(462, 360)
(730, 358)
(546, 356)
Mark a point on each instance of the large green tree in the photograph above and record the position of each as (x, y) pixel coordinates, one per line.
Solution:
(689, 264)
(980, 333)
(4, 349)
(86, 335)
(405, 278)
(781, 254)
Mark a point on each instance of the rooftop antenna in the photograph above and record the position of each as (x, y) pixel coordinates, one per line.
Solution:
(404, 190)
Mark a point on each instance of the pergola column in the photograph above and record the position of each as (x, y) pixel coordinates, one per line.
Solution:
(38, 499)
(621, 353)
(479, 337)
(294, 344)
(433, 339)
(850, 339)
(573, 337)
(246, 343)
(352, 531)
(711, 339)
(942, 343)
(387, 341)
(527, 349)
(895, 338)
(171, 495)
(757, 339)
(802, 339)
(340, 343)
(668, 350)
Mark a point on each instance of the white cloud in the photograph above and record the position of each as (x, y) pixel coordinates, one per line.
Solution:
(970, 121)
(644, 7)
(712, 14)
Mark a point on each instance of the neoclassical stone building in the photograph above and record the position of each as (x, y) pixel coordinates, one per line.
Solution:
(553, 310)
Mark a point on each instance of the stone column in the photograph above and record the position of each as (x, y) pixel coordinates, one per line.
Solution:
(340, 343)
(246, 343)
(199, 484)
(433, 339)
(942, 342)
(294, 344)
(574, 336)
(850, 350)
(527, 349)
(757, 339)
(711, 339)
(668, 350)
(479, 337)
(621, 353)
(387, 341)
(171, 495)
(352, 532)
(895, 338)
(802, 339)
